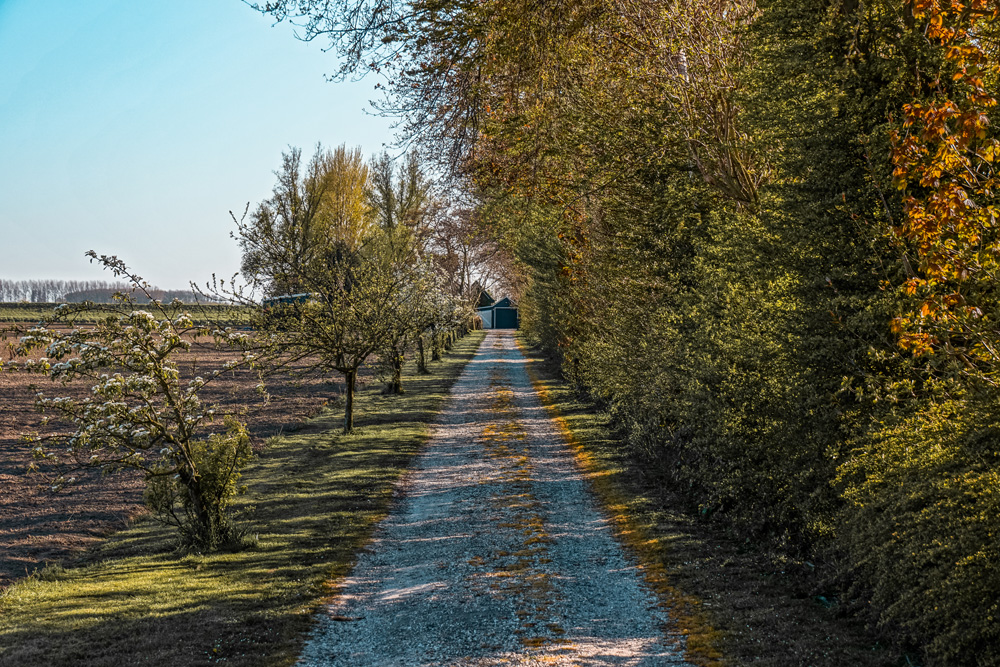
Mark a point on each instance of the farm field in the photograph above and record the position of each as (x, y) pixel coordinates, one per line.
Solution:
(38, 525)
(314, 497)
(221, 313)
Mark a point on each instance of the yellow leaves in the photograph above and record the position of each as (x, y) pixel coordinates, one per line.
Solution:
(919, 344)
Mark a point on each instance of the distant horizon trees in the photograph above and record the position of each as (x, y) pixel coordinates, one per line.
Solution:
(78, 291)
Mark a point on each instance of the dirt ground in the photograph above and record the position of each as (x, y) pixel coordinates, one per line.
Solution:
(39, 526)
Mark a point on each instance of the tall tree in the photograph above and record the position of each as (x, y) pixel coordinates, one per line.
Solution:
(318, 236)
(312, 208)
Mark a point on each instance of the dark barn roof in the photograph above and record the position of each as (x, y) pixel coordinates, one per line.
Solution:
(485, 300)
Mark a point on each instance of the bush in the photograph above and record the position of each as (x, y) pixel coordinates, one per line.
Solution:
(200, 510)
(922, 528)
(139, 415)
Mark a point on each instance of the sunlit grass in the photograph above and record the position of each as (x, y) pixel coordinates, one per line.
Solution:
(314, 498)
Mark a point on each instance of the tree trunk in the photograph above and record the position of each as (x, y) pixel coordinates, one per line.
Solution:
(205, 530)
(397, 360)
(436, 347)
(349, 377)
(421, 359)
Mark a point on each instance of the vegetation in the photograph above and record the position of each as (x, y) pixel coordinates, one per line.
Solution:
(314, 498)
(138, 415)
(78, 291)
(350, 241)
(762, 235)
(228, 315)
(735, 605)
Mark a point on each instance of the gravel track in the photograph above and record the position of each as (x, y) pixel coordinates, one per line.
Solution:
(495, 553)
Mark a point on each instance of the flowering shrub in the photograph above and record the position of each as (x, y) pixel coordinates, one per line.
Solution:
(140, 415)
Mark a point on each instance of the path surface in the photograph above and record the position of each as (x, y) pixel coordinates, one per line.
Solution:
(496, 553)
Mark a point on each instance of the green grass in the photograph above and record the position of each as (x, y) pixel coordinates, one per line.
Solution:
(223, 314)
(316, 496)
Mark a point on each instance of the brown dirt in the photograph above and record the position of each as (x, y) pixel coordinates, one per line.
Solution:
(38, 525)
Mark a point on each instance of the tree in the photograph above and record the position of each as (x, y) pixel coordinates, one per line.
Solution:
(356, 303)
(699, 200)
(317, 236)
(403, 203)
(468, 257)
(945, 157)
(288, 235)
(403, 197)
(140, 414)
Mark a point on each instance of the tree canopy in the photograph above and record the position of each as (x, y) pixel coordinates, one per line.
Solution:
(762, 235)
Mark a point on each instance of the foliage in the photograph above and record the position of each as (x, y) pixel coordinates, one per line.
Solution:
(204, 520)
(290, 235)
(140, 415)
(726, 218)
(921, 527)
(349, 239)
(944, 159)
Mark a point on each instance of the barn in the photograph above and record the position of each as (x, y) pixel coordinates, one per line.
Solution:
(500, 314)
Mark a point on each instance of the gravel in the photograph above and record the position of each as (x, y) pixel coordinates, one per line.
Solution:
(496, 552)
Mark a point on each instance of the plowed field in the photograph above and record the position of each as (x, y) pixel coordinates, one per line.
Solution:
(37, 525)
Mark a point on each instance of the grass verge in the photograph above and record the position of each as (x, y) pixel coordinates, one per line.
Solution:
(315, 497)
(736, 604)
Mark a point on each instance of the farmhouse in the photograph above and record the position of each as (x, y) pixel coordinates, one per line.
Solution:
(500, 314)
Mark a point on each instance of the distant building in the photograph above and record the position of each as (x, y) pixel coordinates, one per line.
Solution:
(500, 314)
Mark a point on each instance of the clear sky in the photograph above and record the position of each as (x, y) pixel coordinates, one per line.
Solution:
(132, 127)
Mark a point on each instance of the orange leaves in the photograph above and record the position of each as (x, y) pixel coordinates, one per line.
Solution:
(913, 284)
(943, 162)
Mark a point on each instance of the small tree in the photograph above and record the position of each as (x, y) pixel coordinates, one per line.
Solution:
(355, 272)
(140, 415)
(411, 315)
(348, 317)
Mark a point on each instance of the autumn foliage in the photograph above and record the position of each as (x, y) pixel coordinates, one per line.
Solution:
(945, 164)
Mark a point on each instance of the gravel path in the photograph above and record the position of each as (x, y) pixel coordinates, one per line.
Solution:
(496, 553)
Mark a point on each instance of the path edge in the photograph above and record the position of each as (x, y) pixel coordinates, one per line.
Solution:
(334, 586)
(684, 612)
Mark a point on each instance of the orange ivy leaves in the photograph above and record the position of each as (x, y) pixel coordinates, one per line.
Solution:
(945, 164)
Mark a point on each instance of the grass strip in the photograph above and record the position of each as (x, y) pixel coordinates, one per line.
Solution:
(315, 497)
(735, 604)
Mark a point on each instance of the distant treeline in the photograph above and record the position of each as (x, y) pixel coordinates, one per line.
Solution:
(77, 291)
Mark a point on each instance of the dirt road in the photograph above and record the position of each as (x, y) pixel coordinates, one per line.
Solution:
(496, 553)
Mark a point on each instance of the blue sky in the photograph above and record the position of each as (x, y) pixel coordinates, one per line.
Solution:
(134, 127)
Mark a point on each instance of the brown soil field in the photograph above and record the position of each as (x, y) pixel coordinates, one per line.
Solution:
(38, 525)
